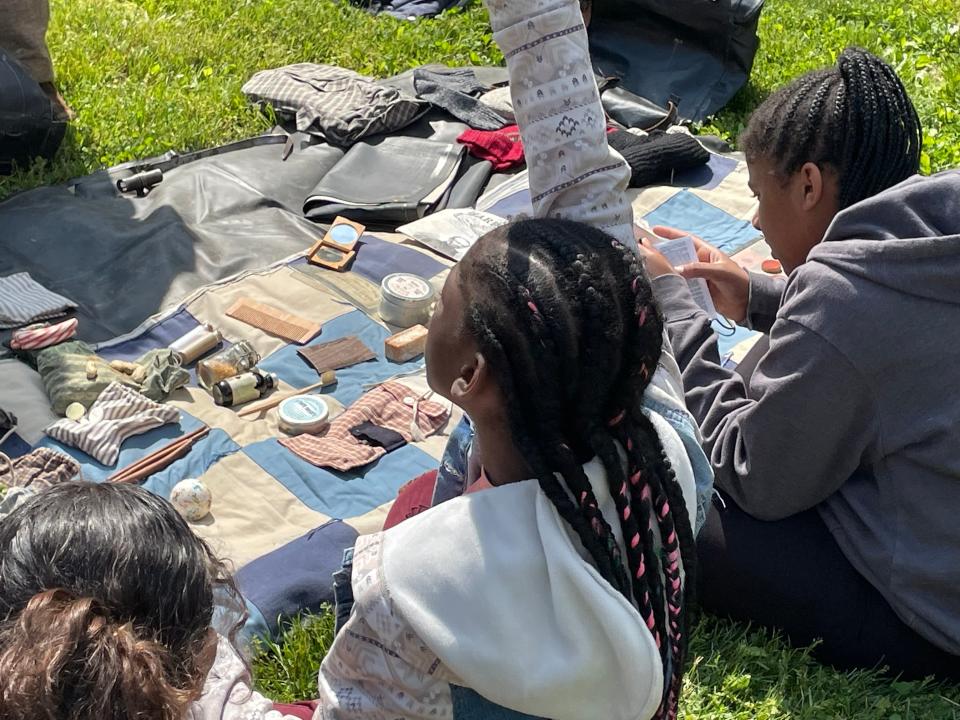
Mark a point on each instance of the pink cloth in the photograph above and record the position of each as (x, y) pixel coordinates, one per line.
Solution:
(391, 405)
(303, 709)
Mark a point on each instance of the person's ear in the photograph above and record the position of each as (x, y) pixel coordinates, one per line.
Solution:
(470, 380)
(810, 186)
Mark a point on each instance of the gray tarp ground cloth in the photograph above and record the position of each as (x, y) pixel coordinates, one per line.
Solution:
(216, 213)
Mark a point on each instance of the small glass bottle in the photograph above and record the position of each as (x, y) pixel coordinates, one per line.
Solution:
(236, 359)
(241, 389)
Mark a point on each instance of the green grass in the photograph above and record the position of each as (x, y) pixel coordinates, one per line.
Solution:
(735, 674)
(146, 76)
(921, 39)
(286, 670)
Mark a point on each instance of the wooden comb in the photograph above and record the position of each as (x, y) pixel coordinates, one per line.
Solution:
(274, 321)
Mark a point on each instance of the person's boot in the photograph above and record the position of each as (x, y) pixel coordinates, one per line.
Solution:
(61, 111)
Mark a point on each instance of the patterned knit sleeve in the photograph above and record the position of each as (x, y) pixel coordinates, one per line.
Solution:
(574, 174)
(228, 692)
(378, 668)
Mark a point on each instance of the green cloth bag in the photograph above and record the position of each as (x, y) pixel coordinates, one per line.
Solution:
(63, 369)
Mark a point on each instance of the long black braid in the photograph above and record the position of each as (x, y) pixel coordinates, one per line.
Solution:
(855, 117)
(565, 317)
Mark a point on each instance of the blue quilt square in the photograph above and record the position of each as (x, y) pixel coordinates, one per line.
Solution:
(708, 175)
(298, 576)
(155, 337)
(719, 228)
(341, 495)
(296, 371)
(378, 258)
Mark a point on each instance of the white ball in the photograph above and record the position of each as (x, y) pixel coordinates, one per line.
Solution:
(192, 499)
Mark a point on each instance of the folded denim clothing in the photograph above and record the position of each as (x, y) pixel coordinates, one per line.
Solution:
(39, 469)
(297, 577)
(334, 103)
(119, 413)
(391, 405)
(453, 90)
(63, 369)
(23, 301)
(394, 180)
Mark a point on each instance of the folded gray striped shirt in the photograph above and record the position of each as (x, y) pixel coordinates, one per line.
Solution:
(23, 301)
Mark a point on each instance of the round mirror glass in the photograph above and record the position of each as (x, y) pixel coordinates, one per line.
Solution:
(343, 234)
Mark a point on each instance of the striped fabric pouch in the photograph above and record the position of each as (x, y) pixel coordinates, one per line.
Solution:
(119, 413)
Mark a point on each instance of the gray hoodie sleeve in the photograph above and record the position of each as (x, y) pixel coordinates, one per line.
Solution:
(790, 437)
(763, 301)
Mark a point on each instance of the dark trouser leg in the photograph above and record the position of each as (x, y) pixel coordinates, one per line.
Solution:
(791, 575)
(23, 30)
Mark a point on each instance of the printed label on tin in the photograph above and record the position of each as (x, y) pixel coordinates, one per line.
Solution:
(407, 287)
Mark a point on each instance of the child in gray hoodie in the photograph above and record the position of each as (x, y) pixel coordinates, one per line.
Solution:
(838, 454)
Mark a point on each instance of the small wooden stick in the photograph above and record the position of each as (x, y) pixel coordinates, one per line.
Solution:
(272, 402)
(150, 458)
(160, 458)
(155, 460)
(156, 465)
(159, 451)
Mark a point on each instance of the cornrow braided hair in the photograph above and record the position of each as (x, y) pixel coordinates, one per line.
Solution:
(855, 117)
(565, 317)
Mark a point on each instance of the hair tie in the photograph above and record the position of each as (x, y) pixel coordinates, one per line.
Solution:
(617, 419)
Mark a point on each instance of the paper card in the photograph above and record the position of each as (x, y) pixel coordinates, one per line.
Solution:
(680, 252)
(451, 232)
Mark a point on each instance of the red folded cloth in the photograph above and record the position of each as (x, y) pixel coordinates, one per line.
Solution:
(503, 147)
(413, 498)
(303, 709)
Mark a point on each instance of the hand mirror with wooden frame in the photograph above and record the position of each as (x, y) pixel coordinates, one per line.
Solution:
(336, 249)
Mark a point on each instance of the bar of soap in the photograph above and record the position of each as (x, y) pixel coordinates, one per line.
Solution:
(406, 345)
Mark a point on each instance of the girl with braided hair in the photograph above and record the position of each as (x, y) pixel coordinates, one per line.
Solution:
(834, 444)
(558, 585)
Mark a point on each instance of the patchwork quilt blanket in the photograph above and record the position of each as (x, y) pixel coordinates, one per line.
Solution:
(282, 522)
